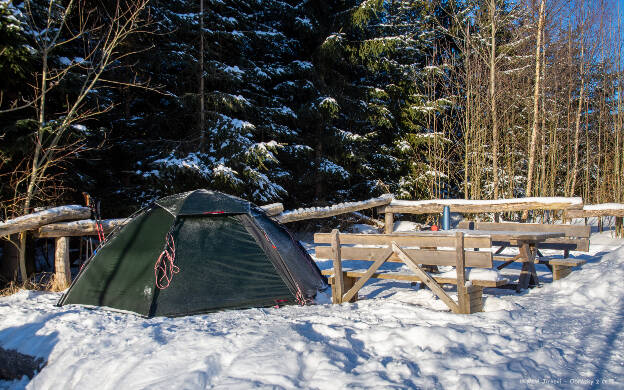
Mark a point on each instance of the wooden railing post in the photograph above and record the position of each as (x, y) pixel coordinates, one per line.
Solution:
(338, 288)
(62, 272)
(460, 268)
(389, 223)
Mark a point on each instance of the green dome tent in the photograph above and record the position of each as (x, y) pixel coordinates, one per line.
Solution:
(197, 252)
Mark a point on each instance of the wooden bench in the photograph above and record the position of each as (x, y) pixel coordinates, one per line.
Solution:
(414, 250)
(576, 239)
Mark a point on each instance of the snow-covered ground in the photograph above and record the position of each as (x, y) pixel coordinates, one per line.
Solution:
(567, 333)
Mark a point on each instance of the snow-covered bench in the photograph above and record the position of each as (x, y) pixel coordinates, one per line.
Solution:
(417, 251)
(576, 239)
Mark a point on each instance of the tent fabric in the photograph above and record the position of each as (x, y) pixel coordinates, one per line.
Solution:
(203, 202)
(230, 255)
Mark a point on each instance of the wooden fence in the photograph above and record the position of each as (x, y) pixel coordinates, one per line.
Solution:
(63, 222)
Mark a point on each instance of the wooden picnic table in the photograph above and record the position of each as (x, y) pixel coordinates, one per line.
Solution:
(525, 242)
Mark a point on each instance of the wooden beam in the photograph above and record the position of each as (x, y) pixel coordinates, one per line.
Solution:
(432, 284)
(560, 271)
(479, 259)
(337, 259)
(330, 211)
(62, 271)
(273, 209)
(417, 239)
(481, 206)
(414, 278)
(569, 230)
(460, 270)
(366, 219)
(40, 218)
(78, 228)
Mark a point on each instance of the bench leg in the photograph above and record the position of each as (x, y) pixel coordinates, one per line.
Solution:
(560, 271)
(472, 300)
(348, 283)
(528, 275)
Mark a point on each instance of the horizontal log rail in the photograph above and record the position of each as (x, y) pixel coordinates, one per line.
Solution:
(35, 220)
(597, 210)
(481, 206)
(86, 227)
(330, 211)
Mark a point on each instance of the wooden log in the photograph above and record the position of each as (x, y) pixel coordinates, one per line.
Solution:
(62, 271)
(481, 206)
(337, 260)
(273, 209)
(85, 227)
(597, 210)
(366, 219)
(35, 220)
(324, 212)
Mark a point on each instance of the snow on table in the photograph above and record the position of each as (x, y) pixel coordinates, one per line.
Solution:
(568, 331)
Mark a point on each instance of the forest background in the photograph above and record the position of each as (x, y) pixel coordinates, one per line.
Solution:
(309, 102)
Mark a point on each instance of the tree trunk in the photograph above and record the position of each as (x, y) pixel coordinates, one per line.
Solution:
(202, 103)
(493, 98)
(577, 126)
(540, 28)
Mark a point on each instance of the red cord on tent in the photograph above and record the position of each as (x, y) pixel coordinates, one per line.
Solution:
(164, 265)
(299, 297)
(269, 240)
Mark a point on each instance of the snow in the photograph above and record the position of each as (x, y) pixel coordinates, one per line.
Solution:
(79, 127)
(227, 174)
(565, 334)
(234, 71)
(406, 226)
(191, 162)
(304, 65)
(330, 167)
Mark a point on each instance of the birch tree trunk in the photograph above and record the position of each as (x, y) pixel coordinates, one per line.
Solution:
(577, 125)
